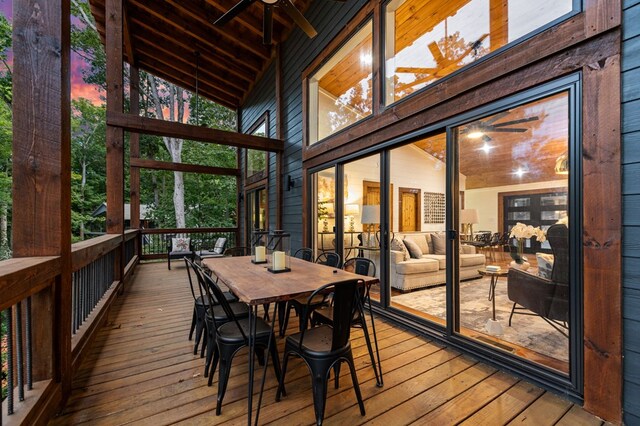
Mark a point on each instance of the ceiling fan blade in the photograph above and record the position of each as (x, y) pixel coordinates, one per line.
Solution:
(497, 117)
(297, 17)
(416, 70)
(507, 130)
(436, 52)
(512, 122)
(267, 24)
(233, 12)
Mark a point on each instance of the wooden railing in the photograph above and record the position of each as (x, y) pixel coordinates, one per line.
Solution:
(33, 350)
(154, 241)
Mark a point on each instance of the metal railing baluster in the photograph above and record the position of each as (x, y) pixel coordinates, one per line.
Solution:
(19, 354)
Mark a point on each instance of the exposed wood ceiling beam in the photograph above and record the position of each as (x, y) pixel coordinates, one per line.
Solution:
(182, 167)
(245, 42)
(152, 126)
(180, 64)
(172, 40)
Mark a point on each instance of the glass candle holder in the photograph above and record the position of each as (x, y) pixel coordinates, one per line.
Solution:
(279, 252)
(259, 241)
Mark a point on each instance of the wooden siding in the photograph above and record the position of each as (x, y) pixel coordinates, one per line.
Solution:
(631, 207)
(141, 369)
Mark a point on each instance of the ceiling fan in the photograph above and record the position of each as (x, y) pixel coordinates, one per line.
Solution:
(479, 129)
(444, 62)
(267, 20)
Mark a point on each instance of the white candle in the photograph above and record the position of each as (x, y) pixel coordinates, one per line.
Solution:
(260, 253)
(278, 260)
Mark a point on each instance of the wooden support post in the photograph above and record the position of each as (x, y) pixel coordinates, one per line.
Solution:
(279, 134)
(134, 148)
(240, 210)
(115, 135)
(42, 172)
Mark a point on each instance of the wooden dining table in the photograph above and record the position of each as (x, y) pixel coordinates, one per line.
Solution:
(254, 285)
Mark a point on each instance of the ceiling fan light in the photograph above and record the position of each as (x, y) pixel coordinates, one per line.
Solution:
(269, 2)
(475, 134)
(562, 165)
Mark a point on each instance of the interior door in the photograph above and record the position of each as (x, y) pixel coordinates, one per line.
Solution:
(409, 209)
(371, 197)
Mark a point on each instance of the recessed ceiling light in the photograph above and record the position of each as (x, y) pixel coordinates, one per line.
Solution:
(520, 172)
(366, 59)
(486, 148)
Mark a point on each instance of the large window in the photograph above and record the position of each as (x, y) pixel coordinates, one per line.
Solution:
(256, 161)
(340, 92)
(426, 40)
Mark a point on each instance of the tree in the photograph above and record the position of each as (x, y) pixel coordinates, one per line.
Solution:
(6, 136)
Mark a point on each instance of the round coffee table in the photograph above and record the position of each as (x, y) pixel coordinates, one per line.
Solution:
(493, 326)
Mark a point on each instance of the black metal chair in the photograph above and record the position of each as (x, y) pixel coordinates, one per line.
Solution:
(237, 251)
(330, 258)
(325, 347)
(324, 315)
(216, 251)
(327, 258)
(203, 306)
(185, 250)
(231, 335)
(304, 254)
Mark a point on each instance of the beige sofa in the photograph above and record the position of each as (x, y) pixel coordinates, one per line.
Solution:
(409, 274)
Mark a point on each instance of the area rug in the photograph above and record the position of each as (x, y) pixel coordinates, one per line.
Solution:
(531, 332)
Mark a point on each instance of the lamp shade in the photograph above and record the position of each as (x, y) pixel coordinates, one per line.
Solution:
(351, 210)
(370, 214)
(469, 216)
(562, 165)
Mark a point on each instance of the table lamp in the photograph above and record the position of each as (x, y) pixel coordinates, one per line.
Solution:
(467, 218)
(370, 216)
(351, 210)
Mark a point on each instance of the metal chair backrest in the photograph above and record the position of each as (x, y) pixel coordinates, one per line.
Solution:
(329, 258)
(193, 293)
(346, 299)
(304, 254)
(217, 293)
(237, 251)
(360, 266)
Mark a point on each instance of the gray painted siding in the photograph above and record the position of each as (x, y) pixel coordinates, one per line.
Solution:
(631, 207)
(298, 51)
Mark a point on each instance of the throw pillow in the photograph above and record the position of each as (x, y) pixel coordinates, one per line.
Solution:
(180, 244)
(439, 243)
(545, 265)
(220, 244)
(420, 241)
(414, 249)
(397, 245)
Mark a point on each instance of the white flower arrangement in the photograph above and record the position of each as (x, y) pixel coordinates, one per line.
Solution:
(522, 231)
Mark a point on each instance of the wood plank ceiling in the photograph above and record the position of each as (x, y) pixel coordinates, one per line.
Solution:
(173, 38)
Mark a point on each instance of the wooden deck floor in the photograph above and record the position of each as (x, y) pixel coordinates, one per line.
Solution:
(142, 370)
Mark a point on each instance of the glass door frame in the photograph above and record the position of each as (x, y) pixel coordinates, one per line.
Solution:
(571, 385)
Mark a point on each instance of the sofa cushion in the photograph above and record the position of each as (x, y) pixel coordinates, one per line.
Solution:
(397, 245)
(472, 260)
(421, 241)
(439, 243)
(417, 266)
(545, 265)
(414, 249)
(440, 258)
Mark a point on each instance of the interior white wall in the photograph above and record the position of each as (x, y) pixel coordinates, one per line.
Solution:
(485, 200)
(411, 167)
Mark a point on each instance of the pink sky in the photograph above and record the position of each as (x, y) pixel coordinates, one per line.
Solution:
(79, 89)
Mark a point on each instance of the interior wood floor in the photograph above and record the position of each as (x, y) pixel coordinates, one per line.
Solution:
(141, 369)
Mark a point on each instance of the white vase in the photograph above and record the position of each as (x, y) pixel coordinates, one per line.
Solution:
(523, 266)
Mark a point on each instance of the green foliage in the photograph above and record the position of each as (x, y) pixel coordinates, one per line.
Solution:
(5, 72)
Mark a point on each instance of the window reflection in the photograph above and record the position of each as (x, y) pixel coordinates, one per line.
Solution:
(426, 40)
(340, 92)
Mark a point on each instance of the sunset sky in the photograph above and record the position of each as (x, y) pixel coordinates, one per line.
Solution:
(79, 89)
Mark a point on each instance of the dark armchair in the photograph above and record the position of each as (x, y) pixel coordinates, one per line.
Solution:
(548, 298)
(178, 248)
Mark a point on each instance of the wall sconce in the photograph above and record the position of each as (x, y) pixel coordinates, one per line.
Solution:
(240, 197)
(291, 183)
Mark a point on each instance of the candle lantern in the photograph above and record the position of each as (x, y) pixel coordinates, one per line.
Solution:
(279, 252)
(259, 241)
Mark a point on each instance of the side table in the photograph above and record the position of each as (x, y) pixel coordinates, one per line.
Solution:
(493, 326)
